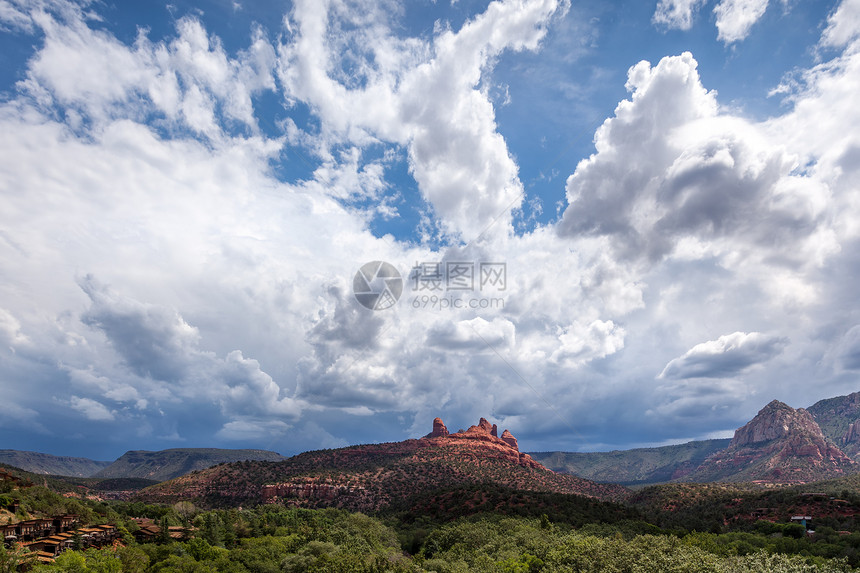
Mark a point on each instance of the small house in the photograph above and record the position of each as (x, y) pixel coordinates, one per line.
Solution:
(802, 520)
(147, 533)
(9, 533)
(63, 523)
(45, 527)
(26, 530)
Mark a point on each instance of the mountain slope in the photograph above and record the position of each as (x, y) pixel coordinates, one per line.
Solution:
(377, 476)
(168, 464)
(39, 463)
(633, 467)
(780, 445)
(839, 419)
(698, 506)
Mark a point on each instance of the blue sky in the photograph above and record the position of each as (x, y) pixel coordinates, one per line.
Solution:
(187, 190)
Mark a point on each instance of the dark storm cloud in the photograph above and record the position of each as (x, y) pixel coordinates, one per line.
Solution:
(849, 349)
(153, 341)
(347, 326)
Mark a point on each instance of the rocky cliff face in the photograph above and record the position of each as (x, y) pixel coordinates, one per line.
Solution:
(852, 434)
(777, 421)
(839, 419)
(780, 444)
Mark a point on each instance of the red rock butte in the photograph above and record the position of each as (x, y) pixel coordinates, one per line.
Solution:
(485, 433)
(439, 429)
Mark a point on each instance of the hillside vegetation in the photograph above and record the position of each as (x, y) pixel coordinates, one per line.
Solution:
(372, 477)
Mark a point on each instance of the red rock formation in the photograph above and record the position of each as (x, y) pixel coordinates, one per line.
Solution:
(483, 427)
(780, 444)
(439, 429)
(487, 435)
(509, 439)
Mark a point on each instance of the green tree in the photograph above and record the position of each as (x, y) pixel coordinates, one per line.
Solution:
(164, 533)
(10, 559)
(71, 562)
(526, 563)
(200, 550)
(229, 532)
(103, 561)
(211, 529)
(545, 522)
(77, 542)
(183, 564)
(186, 511)
(133, 560)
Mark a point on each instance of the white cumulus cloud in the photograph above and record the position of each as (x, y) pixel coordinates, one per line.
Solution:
(735, 18)
(677, 14)
(91, 409)
(725, 357)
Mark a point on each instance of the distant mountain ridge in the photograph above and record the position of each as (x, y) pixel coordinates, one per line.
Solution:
(47, 464)
(633, 467)
(168, 464)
